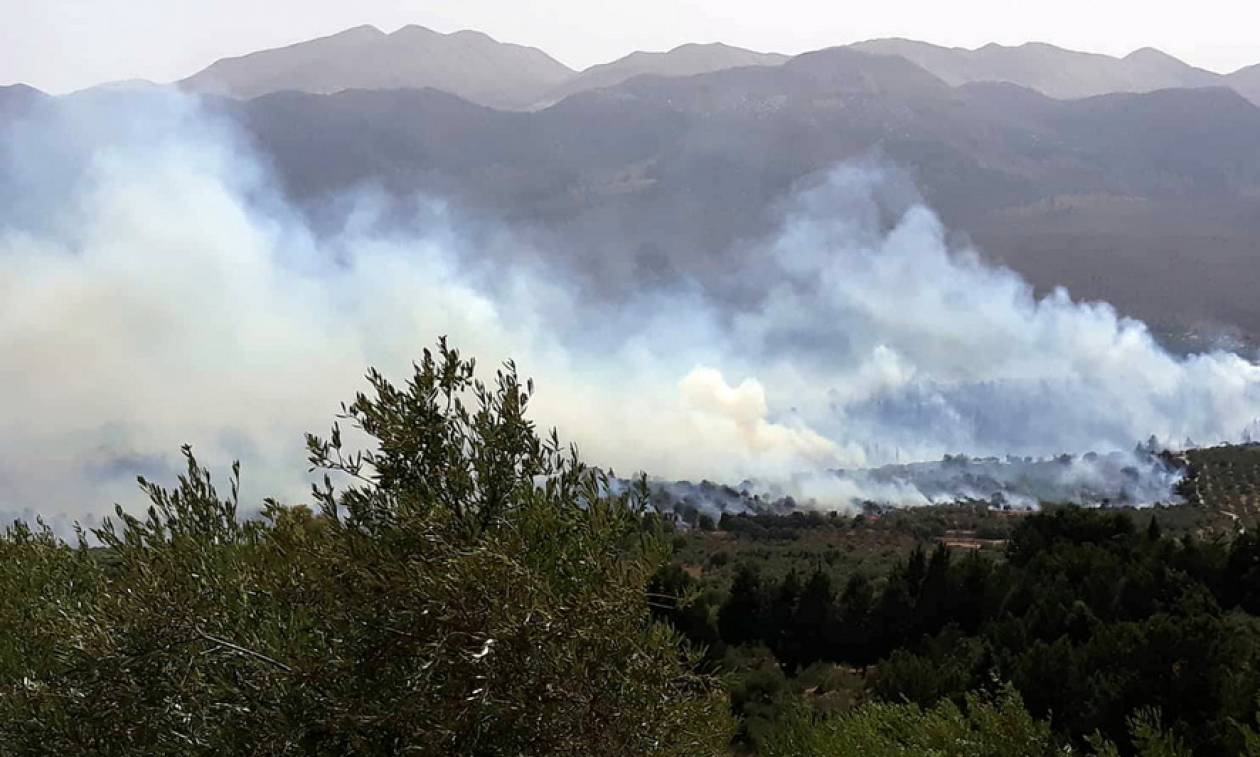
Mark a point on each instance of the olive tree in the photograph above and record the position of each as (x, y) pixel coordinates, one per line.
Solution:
(460, 585)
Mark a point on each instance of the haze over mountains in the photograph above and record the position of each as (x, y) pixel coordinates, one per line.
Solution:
(466, 63)
(487, 72)
(17, 98)
(685, 60)
(743, 256)
(1134, 180)
(469, 64)
(1059, 73)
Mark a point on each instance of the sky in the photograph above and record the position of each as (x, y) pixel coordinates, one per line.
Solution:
(64, 45)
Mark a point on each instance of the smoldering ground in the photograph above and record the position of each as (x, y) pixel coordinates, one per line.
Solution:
(157, 288)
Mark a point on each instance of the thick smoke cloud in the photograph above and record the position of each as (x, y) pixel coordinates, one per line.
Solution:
(156, 289)
(919, 348)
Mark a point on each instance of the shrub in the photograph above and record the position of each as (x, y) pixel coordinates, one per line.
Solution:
(467, 587)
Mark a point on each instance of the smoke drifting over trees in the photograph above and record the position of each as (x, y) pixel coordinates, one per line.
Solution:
(156, 289)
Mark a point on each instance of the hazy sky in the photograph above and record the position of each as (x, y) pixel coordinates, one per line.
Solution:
(61, 45)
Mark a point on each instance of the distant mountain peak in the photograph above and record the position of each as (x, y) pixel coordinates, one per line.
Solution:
(466, 63)
(688, 59)
(1049, 69)
(473, 34)
(475, 66)
(1246, 81)
(416, 30)
(17, 98)
(705, 46)
(1149, 52)
(364, 30)
(22, 89)
(1035, 45)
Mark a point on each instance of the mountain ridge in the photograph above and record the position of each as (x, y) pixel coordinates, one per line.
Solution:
(1145, 200)
(17, 98)
(1049, 69)
(684, 60)
(468, 63)
(509, 76)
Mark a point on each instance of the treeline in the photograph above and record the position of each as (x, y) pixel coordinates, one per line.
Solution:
(923, 523)
(1090, 619)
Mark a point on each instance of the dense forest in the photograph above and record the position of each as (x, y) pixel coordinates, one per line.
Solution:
(467, 585)
(1090, 620)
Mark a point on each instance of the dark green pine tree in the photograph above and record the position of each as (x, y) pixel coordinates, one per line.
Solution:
(782, 608)
(814, 622)
(853, 636)
(742, 618)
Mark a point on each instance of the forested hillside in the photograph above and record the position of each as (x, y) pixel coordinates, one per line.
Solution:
(1088, 616)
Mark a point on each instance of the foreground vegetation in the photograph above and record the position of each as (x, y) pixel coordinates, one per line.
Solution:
(472, 590)
(468, 586)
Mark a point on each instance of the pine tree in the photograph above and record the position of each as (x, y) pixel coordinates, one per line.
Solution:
(742, 618)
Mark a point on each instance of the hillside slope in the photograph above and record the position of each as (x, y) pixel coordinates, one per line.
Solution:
(1145, 200)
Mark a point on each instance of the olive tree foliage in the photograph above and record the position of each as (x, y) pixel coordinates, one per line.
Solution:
(462, 586)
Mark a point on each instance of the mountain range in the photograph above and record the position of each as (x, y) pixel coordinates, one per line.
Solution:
(499, 75)
(1133, 180)
(1052, 71)
(466, 63)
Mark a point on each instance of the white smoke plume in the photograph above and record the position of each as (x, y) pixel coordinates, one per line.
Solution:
(156, 289)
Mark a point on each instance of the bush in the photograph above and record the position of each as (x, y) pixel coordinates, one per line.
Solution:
(983, 728)
(473, 590)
